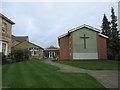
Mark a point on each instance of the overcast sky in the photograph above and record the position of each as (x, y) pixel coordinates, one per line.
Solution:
(43, 22)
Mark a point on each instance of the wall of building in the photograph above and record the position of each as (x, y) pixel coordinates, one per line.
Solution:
(64, 48)
(79, 52)
(27, 45)
(0, 46)
(102, 50)
(70, 46)
(7, 35)
(14, 42)
(0, 34)
(49, 53)
(0, 27)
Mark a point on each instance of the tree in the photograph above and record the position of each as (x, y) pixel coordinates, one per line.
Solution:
(114, 25)
(20, 55)
(27, 54)
(105, 26)
(115, 41)
(106, 30)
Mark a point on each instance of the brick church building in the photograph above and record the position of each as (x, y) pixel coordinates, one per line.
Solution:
(83, 43)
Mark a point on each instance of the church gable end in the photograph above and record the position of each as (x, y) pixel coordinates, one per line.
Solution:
(83, 43)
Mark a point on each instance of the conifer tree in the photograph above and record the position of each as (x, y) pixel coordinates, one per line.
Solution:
(115, 43)
(105, 26)
(114, 24)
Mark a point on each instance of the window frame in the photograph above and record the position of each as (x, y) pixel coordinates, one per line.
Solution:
(4, 27)
(6, 48)
(34, 51)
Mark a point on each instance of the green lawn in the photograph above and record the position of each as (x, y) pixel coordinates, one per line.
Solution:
(93, 65)
(35, 74)
(0, 75)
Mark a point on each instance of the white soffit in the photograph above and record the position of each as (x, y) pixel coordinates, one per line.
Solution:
(87, 26)
(103, 35)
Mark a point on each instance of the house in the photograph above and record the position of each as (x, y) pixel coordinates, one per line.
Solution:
(9, 42)
(83, 43)
(5, 34)
(51, 52)
(22, 42)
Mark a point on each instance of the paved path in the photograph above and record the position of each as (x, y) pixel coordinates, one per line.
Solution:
(108, 78)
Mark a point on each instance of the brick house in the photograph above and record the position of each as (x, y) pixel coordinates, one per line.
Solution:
(5, 34)
(83, 43)
(22, 42)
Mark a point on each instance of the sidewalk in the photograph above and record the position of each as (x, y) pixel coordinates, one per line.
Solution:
(108, 78)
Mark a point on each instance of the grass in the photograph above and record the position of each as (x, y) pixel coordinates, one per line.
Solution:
(35, 74)
(93, 65)
(0, 75)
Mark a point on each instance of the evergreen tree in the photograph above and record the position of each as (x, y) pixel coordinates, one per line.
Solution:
(115, 43)
(105, 26)
(106, 30)
(114, 24)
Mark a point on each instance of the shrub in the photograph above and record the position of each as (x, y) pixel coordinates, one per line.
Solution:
(117, 56)
(20, 55)
(4, 59)
(0, 58)
(27, 54)
(57, 57)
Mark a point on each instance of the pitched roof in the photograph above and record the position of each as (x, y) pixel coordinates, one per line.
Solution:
(82, 26)
(28, 42)
(35, 45)
(52, 47)
(1, 39)
(7, 19)
(20, 38)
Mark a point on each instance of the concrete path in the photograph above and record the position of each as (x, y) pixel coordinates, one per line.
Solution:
(108, 78)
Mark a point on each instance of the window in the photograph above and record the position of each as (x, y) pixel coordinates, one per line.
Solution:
(4, 27)
(29, 48)
(34, 51)
(4, 48)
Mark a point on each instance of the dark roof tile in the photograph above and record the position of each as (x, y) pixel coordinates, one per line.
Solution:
(20, 38)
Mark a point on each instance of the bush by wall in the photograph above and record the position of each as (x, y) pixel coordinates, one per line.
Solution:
(20, 55)
(4, 59)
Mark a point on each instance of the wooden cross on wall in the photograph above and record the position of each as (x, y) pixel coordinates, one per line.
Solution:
(84, 38)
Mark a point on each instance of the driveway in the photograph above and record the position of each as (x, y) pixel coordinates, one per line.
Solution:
(108, 78)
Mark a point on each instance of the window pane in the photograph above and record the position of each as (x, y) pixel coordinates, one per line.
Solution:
(4, 27)
(3, 48)
(35, 52)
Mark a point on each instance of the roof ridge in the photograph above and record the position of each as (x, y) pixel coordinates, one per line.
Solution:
(6, 18)
(84, 25)
(28, 42)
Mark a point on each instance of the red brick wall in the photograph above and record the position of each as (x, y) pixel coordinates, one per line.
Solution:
(64, 48)
(102, 48)
(70, 47)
